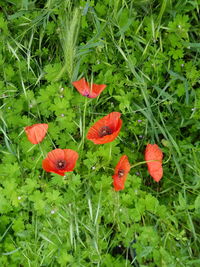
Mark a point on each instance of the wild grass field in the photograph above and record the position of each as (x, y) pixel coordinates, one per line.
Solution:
(144, 56)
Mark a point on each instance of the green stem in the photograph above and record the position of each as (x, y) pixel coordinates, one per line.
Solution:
(83, 130)
(168, 159)
(110, 152)
(142, 162)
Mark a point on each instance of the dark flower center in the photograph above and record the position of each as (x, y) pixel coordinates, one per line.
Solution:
(61, 164)
(105, 130)
(87, 94)
(120, 173)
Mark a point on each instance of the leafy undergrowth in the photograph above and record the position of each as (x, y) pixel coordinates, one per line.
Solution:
(147, 53)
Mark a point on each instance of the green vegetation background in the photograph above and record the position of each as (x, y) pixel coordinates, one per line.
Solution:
(147, 52)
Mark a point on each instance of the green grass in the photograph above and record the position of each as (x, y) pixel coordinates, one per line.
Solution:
(147, 53)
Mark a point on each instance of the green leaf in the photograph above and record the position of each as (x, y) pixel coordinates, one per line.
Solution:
(52, 71)
(197, 203)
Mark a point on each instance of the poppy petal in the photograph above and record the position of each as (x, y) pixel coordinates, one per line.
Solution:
(60, 161)
(82, 87)
(106, 139)
(114, 120)
(111, 122)
(121, 171)
(153, 152)
(93, 132)
(71, 157)
(36, 132)
(48, 165)
(56, 154)
(89, 90)
(118, 183)
(123, 164)
(96, 90)
(156, 172)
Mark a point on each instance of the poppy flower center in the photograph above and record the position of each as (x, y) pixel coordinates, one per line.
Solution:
(60, 164)
(120, 173)
(105, 130)
(86, 93)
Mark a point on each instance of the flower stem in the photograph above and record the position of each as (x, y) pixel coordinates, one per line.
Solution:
(142, 162)
(83, 128)
(110, 152)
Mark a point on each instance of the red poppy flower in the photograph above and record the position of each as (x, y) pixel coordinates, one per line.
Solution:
(60, 161)
(106, 129)
(36, 132)
(121, 171)
(88, 90)
(153, 152)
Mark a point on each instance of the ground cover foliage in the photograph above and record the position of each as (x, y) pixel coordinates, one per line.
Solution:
(147, 53)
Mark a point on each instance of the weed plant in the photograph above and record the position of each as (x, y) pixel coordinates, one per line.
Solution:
(147, 53)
